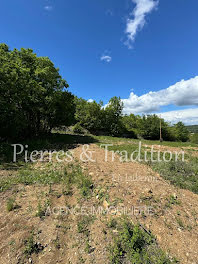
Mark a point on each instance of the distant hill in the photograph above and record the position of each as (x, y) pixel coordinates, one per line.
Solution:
(193, 129)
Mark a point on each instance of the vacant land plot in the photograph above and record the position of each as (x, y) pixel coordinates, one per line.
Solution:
(93, 210)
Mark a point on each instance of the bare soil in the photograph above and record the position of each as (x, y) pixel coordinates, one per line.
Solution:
(117, 187)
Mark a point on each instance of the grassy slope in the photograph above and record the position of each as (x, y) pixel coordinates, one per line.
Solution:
(181, 174)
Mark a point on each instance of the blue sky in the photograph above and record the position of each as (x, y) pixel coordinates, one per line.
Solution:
(108, 48)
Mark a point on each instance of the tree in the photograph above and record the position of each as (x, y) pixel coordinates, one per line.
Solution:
(133, 124)
(89, 115)
(113, 116)
(33, 96)
(181, 132)
(150, 128)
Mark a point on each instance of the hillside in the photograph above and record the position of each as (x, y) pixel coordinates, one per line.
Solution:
(90, 210)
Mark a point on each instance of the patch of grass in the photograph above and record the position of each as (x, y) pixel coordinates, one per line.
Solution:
(102, 193)
(31, 246)
(135, 245)
(52, 173)
(180, 223)
(181, 174)
(11, 204)
(114, 140)
(83, 224)
(41, 210)
(88, 248)
(112, 223)
(172, 200)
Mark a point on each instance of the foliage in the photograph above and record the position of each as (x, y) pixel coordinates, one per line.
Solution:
(34, 99)
(136, 246)
(192, 129)
(32, 95)
(181, 174)
(98, 119)
(148, 127)
(113, 117)
(89, 115)
(194, 138)
(11, 204)
(52, 174)
(31, 246)
(78, 129)
(181, 132)
(133, 124)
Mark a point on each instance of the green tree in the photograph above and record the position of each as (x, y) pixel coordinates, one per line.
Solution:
(150, 128)
(89, 115)
(33, 96)
(133, 124)
(113, 117)
(181, 132)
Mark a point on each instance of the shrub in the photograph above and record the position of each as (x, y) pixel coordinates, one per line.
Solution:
(137, 246)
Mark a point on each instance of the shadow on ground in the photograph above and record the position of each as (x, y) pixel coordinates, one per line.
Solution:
(51, 142)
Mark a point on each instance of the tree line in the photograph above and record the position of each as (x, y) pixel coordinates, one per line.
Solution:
(34, 98)
(109, 120)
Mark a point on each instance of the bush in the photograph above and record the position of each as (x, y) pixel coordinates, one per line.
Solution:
(181, 132)
(136, 246)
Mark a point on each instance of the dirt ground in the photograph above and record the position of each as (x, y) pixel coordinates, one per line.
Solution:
(119, 187)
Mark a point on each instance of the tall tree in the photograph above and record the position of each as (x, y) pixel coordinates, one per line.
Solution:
(113, 116)
(33, 96)
(181, 132)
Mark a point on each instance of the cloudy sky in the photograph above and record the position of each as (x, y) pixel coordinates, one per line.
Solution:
(144, 51)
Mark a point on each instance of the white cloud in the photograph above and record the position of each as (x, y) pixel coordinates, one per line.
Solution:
(183, 93)
(187, 116)
(90, 100)
(106, 58)
(48, 8)
(143, 7)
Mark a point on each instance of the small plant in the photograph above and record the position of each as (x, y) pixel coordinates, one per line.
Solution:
(11, 204)
(41, 210)
(180, 223)
(57, 243)
(31, 246)
(50, 188)
(112, 223)
(88, 248)
(83, 224)
(172, 200)
(137, 246)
